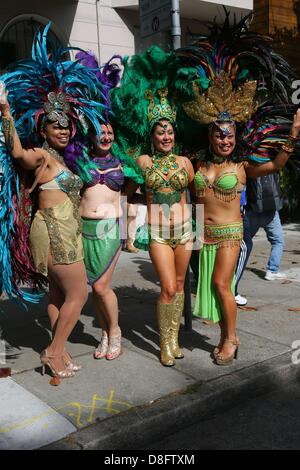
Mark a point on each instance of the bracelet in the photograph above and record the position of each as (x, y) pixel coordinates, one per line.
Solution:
(287, 148)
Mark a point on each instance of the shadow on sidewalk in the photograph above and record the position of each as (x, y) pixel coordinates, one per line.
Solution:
(20, 328)
(259, 272)
(146, 270)
(31, 329)
(138, 321)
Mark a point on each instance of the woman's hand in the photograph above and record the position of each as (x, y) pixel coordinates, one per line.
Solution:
(295, 129)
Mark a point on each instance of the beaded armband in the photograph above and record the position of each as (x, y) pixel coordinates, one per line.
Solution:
(8, 127)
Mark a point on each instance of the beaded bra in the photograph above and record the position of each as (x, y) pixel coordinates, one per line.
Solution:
(113, 179)
(157, 178)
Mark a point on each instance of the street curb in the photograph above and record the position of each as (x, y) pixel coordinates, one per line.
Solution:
(150, 422)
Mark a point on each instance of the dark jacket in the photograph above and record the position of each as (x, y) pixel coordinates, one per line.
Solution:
(263, 193)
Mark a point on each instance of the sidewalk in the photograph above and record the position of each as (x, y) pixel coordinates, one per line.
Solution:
(124, 403)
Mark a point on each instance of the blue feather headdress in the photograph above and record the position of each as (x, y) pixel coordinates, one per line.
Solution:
(47, 86)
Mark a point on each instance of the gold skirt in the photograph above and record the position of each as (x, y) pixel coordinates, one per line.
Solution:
(56, 230)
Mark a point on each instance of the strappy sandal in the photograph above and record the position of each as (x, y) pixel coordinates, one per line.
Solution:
(216, 350)
(70, 364)
(101, 349)
(226, 361)
(114, 347)
(46, 362)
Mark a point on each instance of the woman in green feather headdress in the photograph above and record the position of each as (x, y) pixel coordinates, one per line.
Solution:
(167, 177)
(145, 107)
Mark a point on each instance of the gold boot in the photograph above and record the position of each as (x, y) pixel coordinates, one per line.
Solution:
(164, 317)
(177, 314)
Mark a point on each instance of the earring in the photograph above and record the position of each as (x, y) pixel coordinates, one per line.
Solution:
(152, 148)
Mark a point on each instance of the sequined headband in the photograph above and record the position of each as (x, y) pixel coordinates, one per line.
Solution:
(159, 109)
(56, 108)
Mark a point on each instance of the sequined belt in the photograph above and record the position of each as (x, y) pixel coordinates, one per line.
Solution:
(221, 234)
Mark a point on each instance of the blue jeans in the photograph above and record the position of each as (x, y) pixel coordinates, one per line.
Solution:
(270, 222)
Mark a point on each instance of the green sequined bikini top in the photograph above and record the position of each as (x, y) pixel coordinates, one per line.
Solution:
(225, 186)
(156, 179)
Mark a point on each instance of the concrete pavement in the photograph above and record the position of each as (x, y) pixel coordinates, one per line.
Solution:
(125, 403)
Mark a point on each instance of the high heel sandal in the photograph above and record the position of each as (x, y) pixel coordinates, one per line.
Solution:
(216, 350)
(114, 348)
(70, 364)
(46, 361)
(221, 361)
(101, 349)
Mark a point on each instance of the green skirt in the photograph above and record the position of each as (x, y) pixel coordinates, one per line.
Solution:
(207, 304)
(101, 244)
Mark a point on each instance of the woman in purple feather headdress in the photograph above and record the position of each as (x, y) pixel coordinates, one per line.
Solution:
(100, 209)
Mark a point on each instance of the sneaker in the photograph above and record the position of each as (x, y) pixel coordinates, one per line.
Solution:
(240, 300)
(271, 276)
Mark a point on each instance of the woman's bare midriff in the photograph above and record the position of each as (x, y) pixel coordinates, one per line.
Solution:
(179, 212)
(100, 202)
(217, 211)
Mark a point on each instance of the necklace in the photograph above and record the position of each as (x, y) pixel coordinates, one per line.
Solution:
(164, 162)
(54, 153)
(104, 163)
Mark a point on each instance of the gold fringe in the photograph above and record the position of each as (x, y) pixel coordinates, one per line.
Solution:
(221, 244)
(200, 192)
(224, 195)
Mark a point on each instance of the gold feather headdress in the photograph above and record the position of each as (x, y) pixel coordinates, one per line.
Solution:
(221, 102)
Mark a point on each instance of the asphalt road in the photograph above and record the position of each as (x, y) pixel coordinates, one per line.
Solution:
(268, 422)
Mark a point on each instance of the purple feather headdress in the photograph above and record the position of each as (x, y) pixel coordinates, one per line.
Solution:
(76, 154)
(108, 74)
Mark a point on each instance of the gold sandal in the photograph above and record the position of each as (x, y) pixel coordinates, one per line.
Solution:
(46, 361)
(221, 361)
(216, 350)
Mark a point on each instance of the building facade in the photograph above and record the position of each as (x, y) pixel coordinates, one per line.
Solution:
(106, 27)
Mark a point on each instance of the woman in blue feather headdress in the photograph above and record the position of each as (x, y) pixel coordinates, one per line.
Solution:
(48, 97)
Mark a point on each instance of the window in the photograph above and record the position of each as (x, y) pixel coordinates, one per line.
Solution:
(16, 40)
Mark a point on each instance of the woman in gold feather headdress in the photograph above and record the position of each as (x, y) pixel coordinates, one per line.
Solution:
(226, 97)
